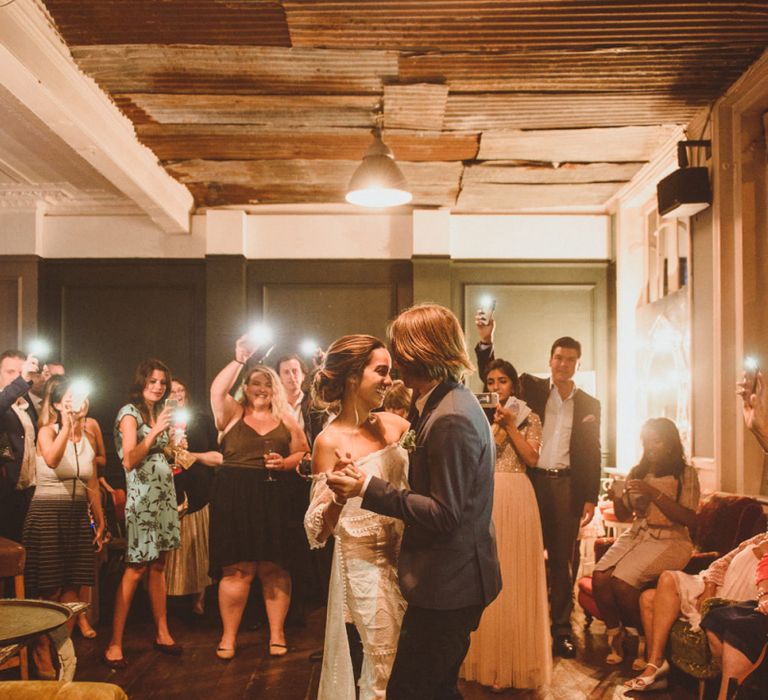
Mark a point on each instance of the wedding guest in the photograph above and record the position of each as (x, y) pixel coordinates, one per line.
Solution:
(738, 636)
(398, 399)
(254, 530)
(679, 596)
(151, 518)
(18, 432)
(187, 567)
(512, 647)
(354, 380)
(57, 535)
(662, 492)
(755, 406)
(48, 416)
(566, 479)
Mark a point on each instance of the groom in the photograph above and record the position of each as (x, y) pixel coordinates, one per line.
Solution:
(448, 568)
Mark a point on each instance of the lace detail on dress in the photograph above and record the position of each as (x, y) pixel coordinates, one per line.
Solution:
(507, 459)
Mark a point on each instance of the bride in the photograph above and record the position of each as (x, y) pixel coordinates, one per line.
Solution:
(364, 589)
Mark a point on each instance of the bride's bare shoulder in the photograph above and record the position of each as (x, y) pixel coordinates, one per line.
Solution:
(394, 426)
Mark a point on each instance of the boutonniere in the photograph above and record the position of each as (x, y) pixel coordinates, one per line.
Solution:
(408, 441)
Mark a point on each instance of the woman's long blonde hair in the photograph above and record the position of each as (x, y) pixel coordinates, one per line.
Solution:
(279, 404)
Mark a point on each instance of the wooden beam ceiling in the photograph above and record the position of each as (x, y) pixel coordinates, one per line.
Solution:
(546, 103)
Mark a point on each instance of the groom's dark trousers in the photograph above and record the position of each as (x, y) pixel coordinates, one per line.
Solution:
(448, 568)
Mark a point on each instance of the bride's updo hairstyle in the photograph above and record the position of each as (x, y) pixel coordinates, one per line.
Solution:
(346, 357)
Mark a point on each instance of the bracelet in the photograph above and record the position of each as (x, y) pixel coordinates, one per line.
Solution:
(338, 503)
(761, 594)
(238, 362)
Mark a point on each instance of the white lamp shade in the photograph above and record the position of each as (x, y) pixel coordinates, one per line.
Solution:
(378, 182)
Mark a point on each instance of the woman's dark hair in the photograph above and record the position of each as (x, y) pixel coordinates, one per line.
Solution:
(140, 377)
(673, 461)
(346, 357)
(505, 368)
(53, 393)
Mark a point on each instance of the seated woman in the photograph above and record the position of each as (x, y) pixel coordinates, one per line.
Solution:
(662, 491)
(680, 595)
(738, 635)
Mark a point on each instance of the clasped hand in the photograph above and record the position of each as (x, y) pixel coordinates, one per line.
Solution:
(346, 480)
(505, 417)
(643, 488)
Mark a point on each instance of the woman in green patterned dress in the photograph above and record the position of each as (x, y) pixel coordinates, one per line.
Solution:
(152, 521)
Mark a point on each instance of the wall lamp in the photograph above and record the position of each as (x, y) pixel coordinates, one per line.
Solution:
(686, 191)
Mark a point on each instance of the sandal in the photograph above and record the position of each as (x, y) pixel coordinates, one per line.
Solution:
(226, 654)
(276, 649)
(616, 646)
(656, 681)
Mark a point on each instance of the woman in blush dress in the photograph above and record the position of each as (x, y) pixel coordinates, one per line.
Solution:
(512, 647)
(364, 587)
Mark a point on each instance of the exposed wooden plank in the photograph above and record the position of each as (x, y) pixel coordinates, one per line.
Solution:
(236, 69)
(622, 68)
(276, 111)
(209, 194)
(623, 144)
(569, 110)
(567, 173)
(420, 106)
(248, 22)
(486, 197)
(195, 141)
(337, 172)
(498, 25)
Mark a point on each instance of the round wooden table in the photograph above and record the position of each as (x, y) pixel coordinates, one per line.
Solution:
(23, 619)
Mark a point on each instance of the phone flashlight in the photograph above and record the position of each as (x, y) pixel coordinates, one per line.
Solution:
(81, 389)
(308, 346)
(39, 348)
(260, 334)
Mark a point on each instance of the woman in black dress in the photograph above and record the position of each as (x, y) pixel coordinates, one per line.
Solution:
(254, 529)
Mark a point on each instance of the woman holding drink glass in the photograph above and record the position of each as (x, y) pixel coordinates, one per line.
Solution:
(151, 518)
(253, 529)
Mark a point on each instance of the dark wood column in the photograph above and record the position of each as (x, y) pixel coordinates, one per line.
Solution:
(225, 309)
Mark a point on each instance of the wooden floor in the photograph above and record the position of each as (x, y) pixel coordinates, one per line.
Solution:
(253, 674)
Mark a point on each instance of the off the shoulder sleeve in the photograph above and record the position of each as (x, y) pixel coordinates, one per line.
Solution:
(314, 522)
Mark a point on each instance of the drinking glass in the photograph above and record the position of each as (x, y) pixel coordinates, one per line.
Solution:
(267, 450)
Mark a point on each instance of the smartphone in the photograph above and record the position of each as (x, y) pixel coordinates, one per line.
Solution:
(487, 399)
(752, 368)
(172, 404)
(486, 312)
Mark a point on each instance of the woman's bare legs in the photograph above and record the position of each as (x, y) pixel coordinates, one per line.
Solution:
(233, 595)
(86, 595)
(659, 609)
(605, 598)
(735, 666)
(125, 592)
(157, 599)
(276, 588)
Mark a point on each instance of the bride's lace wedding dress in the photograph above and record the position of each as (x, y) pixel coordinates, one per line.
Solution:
(363, 588)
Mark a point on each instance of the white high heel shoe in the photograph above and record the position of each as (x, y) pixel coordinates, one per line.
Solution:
(656, 681)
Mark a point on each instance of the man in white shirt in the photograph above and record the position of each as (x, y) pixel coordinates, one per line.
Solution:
(567, 477)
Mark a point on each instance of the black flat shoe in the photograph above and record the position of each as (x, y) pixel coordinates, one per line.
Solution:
(170, 649)
(114, 664)
(564, 646)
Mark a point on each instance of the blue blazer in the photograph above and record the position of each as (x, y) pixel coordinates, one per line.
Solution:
(448, 555)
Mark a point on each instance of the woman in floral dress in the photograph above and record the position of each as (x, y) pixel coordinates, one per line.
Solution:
(152, 521)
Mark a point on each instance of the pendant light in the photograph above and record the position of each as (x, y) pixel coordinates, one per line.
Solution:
(378, 182)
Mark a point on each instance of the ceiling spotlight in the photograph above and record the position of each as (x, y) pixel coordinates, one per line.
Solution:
(378, 182)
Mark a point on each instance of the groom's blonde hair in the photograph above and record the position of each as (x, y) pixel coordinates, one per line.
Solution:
(427, 340)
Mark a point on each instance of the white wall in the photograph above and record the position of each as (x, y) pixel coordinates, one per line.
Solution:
(347, 236)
